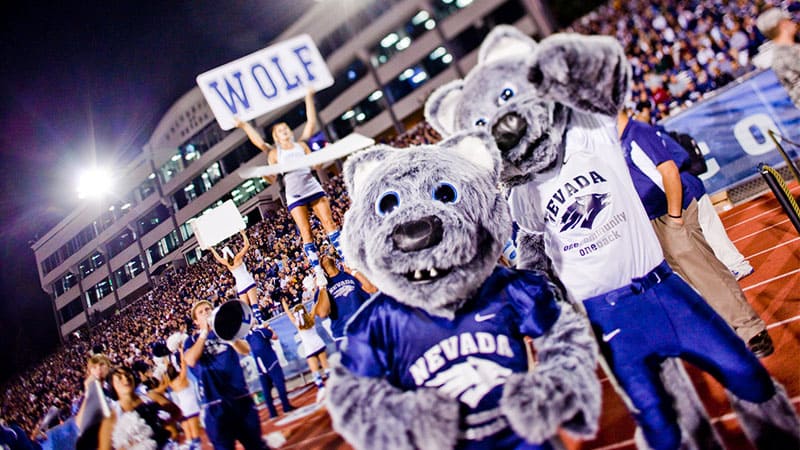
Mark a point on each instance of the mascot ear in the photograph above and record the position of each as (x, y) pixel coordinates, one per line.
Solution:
(440, 108)
(505, 41)
(360, 165)
(476, 146)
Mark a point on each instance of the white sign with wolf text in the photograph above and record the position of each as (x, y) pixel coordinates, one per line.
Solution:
(264, 81)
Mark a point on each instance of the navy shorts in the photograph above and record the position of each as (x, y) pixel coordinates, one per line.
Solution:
(306, 201)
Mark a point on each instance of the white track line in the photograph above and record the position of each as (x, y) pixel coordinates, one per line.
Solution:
(761, 230)
(617, 445)
(769, 212)
(773, 248)
(756, 203)
(772, 279)
(307, 441)
(783, 322)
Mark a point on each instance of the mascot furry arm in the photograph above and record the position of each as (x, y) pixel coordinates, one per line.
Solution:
(586, 73)
(563, 389)
(388, 186)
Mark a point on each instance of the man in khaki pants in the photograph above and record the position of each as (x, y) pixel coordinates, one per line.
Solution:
(667, 197)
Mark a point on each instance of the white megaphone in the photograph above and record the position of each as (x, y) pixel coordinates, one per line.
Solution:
(231, 320)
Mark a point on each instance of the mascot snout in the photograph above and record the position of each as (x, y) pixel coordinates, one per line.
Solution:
(418, 234)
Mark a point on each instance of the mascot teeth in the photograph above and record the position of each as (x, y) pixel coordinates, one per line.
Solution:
(426, 275)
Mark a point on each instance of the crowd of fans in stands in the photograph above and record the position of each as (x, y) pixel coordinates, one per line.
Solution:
(680, 51)
(275, 259)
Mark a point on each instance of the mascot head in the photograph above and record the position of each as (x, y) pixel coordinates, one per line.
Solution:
(426, 224)
(497, 96)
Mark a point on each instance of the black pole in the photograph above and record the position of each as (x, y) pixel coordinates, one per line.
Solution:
(778, 187)
(789, 162)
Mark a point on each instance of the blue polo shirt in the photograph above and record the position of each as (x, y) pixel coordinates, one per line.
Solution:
(644, 151)
(691, 183)
(346, 296)
(260, 341)
(219, 375)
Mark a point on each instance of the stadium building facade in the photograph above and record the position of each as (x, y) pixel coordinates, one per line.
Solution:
(386, 57)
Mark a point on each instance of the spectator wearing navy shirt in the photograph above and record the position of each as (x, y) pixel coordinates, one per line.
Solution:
(269, 370)
(230, 413)
(669, 199)
(342, 297)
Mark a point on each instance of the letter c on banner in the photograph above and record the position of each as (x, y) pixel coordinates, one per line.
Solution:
(759, 142)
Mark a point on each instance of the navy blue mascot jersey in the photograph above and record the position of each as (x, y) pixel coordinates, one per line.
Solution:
(467, 358)
(346, 296)
(219, 375)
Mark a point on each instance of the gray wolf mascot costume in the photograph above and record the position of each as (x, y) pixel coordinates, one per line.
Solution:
(551, 109)
(438, 359)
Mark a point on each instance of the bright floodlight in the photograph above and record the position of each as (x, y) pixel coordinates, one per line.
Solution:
(94, 183)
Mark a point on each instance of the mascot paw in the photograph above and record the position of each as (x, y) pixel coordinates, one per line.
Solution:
(371, 414)
(572, 69)
(436, 420)
(536, 406)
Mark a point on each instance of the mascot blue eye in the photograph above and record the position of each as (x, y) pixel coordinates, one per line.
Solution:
(480, 122)
(505, 96)
(387, 202)
(445, 193)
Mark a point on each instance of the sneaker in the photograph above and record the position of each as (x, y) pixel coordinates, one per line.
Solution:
(761, 345)
(274, 439)
(742, 271)
(320, 395)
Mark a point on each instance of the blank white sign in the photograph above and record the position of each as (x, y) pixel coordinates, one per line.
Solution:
(217, 224)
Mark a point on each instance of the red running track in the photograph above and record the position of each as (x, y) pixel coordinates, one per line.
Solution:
(765, 236)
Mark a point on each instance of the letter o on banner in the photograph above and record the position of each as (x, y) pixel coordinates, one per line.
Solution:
(755, 143)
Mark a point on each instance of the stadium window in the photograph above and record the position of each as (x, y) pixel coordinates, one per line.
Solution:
(91, 297)
(186, 229)
(353, 72)
(406, 82)
(120, 242)
(234, 159)
(152, 219)
(85, 268)
(152, 254)
(51, 262)
(128, 271)
(400, 39)
(172, 167)
(97, 259)
(147, 187)
(134, 267)
(247, 190)
(361, 113)
(71, 310)
(65, 283)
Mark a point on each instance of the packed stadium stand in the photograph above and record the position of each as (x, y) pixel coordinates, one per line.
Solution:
(681, 52)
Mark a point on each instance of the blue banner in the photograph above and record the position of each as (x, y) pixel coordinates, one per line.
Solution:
(731, 129)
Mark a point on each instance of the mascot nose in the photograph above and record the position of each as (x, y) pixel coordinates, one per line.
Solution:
(508, 131)
(418, 234)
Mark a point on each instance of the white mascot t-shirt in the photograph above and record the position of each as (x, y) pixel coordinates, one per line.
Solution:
(595, 228)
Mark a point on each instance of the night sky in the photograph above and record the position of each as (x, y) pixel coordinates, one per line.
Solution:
(88, 81)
